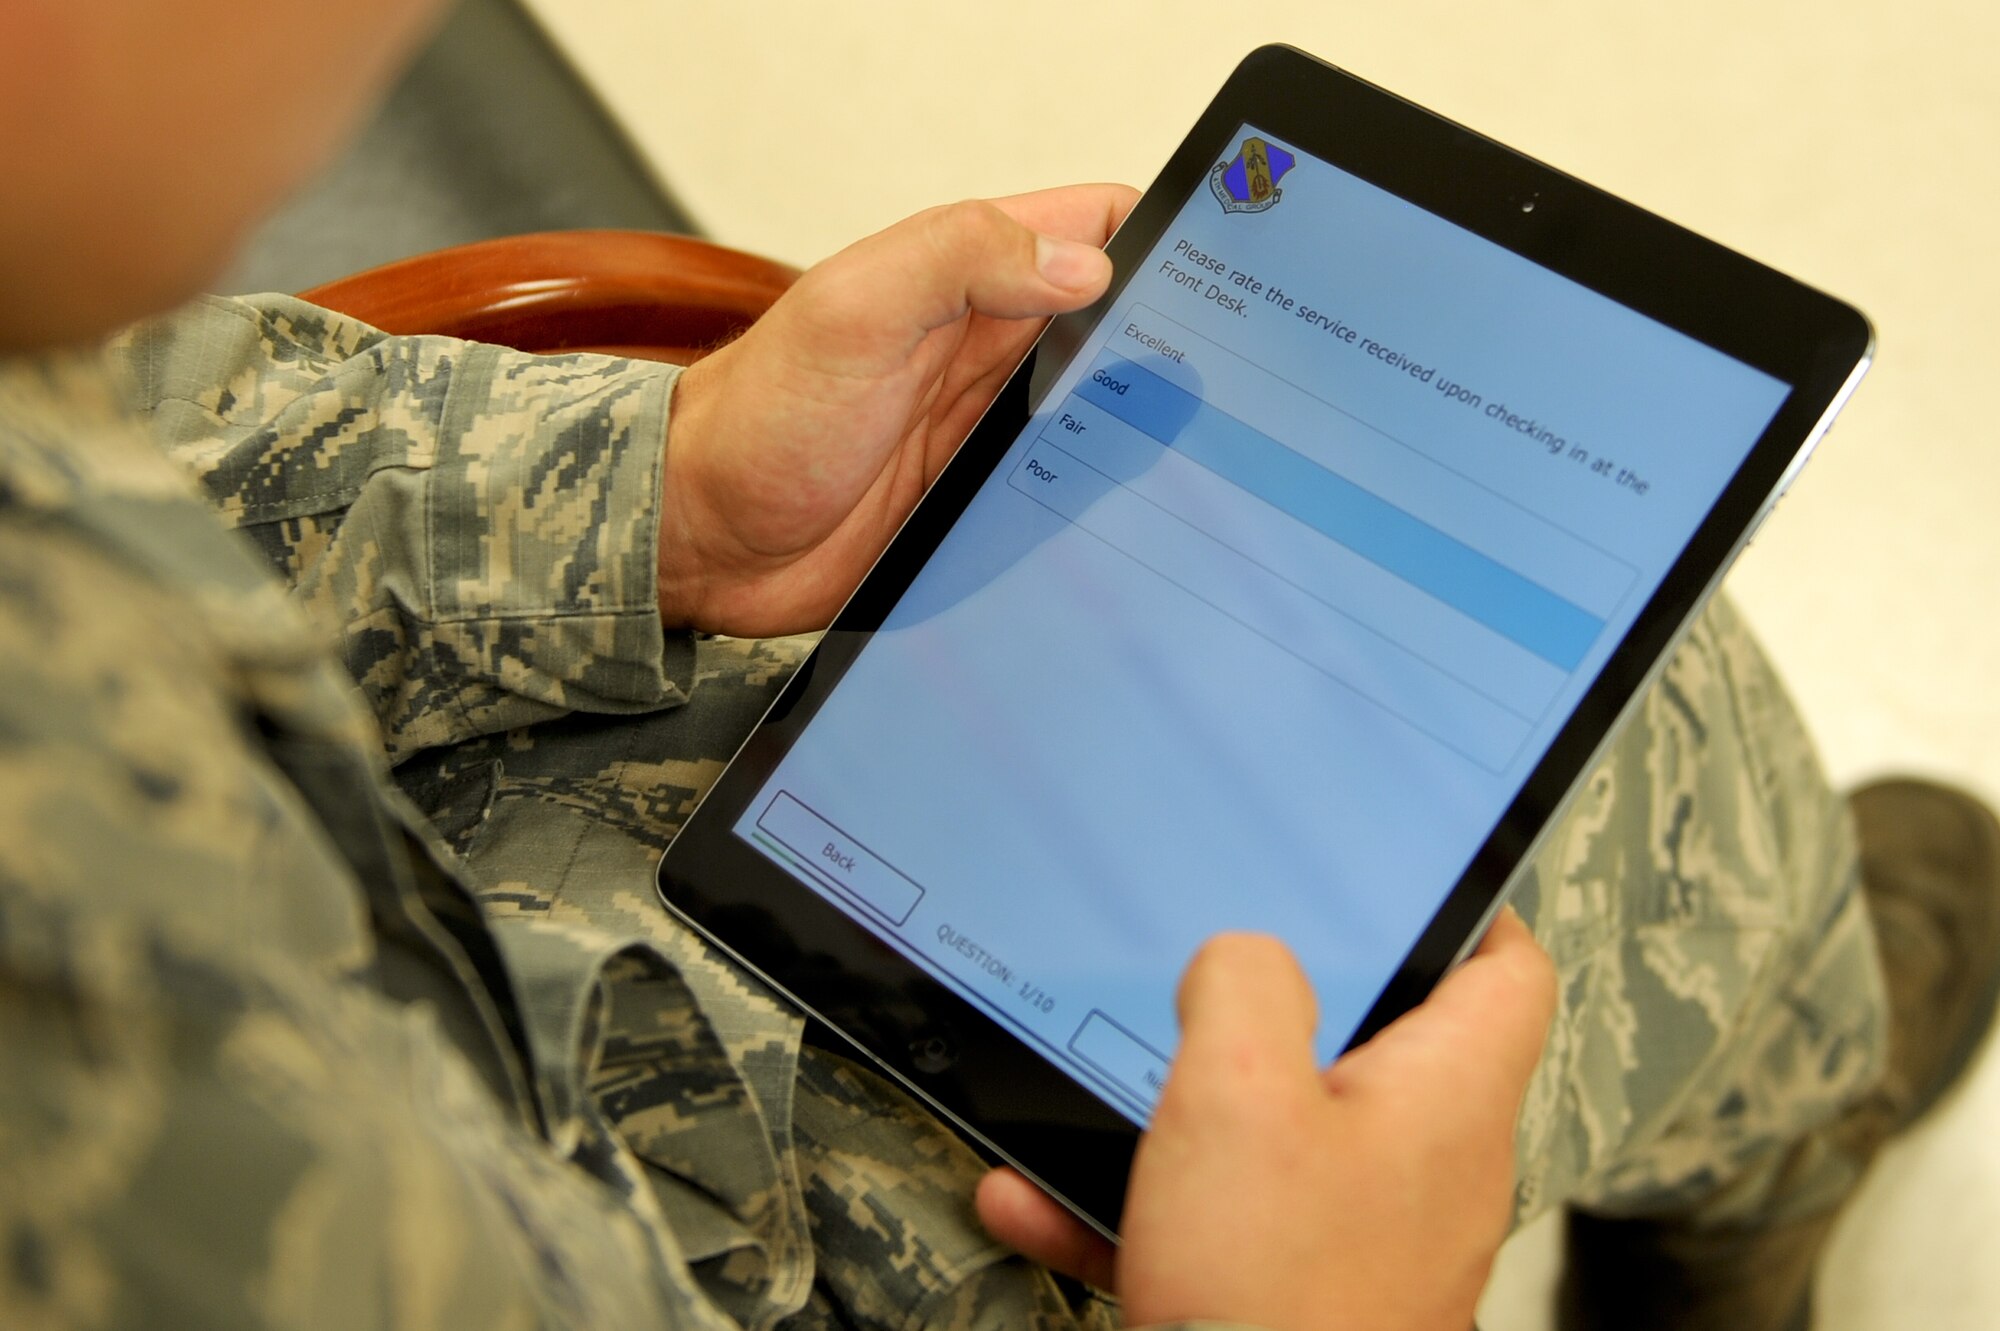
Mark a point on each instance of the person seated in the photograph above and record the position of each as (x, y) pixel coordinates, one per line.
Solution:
(350, 686)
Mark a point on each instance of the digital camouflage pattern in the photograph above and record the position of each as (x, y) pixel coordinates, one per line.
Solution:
(311, 1017)
(1720, 991)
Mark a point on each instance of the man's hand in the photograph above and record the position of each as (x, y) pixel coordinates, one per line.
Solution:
(1371, 1195)
(796, 451)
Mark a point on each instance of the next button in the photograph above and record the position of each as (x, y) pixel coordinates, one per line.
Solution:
(1121, 1056)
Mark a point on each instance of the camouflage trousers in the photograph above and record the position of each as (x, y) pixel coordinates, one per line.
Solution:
(1720, 996)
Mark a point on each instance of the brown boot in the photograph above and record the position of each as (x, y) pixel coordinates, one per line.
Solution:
(1930, 868)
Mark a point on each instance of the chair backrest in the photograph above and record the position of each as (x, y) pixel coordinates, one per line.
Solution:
(629, 293)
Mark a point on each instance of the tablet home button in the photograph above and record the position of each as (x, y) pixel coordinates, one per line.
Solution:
(932, 1053)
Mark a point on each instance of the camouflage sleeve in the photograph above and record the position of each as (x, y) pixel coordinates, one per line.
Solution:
(189, 1144)
(210, 1114)
(476, 528)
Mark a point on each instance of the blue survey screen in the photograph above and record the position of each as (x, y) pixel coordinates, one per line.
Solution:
(1263, 620)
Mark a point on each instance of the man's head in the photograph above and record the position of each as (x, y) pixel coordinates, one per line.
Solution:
(141, 139)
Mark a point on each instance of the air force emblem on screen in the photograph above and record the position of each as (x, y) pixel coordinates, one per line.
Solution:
(1248, 182)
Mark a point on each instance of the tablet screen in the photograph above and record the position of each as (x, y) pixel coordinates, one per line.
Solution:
(1263, 620)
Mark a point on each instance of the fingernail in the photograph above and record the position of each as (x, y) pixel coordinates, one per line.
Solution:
(1068, 264)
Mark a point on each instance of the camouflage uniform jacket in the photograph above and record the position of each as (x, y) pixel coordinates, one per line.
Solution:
(264, 1060)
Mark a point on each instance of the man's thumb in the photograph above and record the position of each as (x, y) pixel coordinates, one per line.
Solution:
(934, 268)
(1071, 265)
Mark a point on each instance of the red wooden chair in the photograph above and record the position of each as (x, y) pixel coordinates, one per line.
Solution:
(628, 293)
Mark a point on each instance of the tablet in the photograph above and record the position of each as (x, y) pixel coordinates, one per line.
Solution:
(1290, 587)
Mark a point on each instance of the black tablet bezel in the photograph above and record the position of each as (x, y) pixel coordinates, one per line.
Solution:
(952, 1050)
